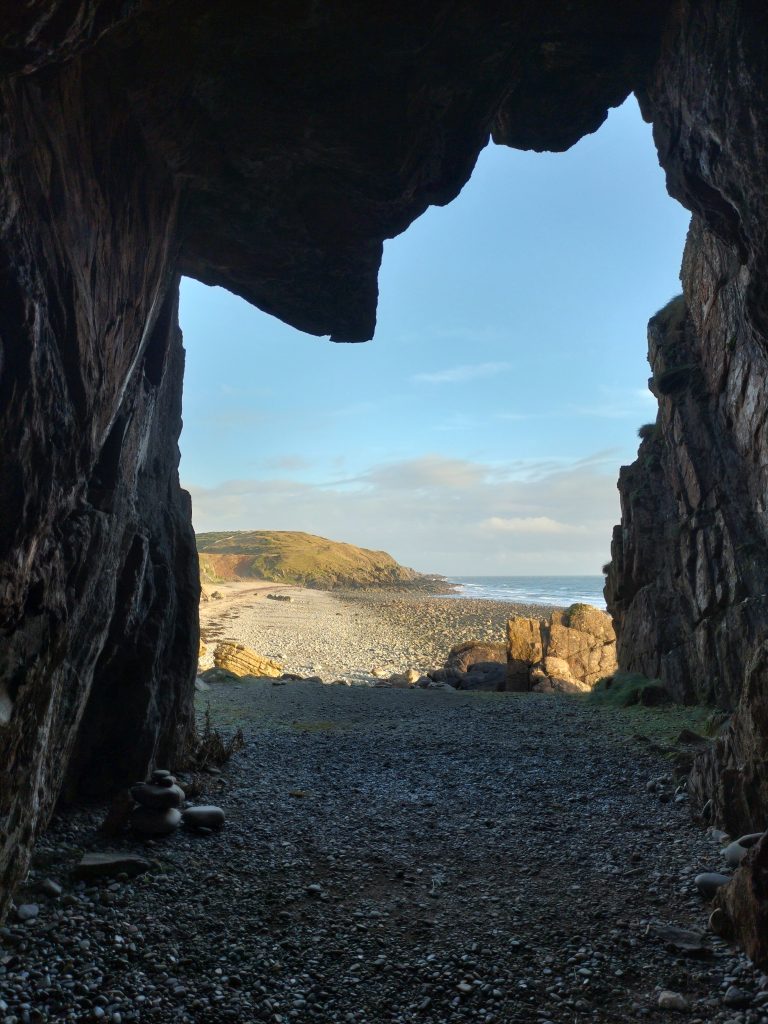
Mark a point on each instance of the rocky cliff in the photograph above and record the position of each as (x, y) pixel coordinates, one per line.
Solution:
(271, 148)
(686, 585)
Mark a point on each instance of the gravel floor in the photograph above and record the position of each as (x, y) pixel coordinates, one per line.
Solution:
(391, 856)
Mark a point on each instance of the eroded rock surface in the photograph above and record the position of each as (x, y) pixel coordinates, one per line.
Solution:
(566, 653)
(744, 903)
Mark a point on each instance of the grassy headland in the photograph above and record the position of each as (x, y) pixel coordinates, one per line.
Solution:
(285, 556)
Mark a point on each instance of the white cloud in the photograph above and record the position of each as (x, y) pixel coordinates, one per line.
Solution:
(455, 516)
(530, 525)
(457, 374)
(430, 473)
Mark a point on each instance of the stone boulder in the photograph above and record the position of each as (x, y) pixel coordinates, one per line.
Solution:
(556, 676)
(242, 661)
(524, 641)
(588, 656)
(525, 648)
(566, 654)
(586, 619)
(480, 675)
(483, 675)
(401, 680)
(473, 652)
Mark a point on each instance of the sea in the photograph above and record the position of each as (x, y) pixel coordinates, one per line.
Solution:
(554, 590)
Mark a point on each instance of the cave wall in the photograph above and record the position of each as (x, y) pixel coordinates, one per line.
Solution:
(271, 149)
(98, 582)
(687, 581)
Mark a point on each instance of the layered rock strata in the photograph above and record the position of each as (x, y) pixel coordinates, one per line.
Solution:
(566, 653)
(243, 661)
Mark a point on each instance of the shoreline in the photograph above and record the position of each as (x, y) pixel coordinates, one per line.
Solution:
(346, 634)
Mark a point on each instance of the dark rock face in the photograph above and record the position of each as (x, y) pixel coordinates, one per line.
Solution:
(687, 582)
(271, 149)
(307, 135)
(98, 581)
(744, 905)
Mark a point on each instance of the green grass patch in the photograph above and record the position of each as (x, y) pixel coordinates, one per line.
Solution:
(623, 689)
(312, 727)
(647, 430)
(661, 725)
(632, 707)
(672, 316)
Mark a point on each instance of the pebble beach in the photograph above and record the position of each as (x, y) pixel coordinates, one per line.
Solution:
(344, 635)
(387, 856)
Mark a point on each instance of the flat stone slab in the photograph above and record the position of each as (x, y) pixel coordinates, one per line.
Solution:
(110, 865)
(681, 940)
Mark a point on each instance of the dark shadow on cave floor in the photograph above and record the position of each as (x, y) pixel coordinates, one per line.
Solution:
(394, 856)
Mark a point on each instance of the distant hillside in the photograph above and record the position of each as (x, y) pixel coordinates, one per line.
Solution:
(303, 559)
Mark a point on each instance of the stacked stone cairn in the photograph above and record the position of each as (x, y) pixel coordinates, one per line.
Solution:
(158, 805)
(158, 808)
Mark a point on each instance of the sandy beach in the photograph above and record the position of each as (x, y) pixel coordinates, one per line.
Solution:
(344, 635)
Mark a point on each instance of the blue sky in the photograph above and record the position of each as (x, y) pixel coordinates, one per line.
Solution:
(482, 429)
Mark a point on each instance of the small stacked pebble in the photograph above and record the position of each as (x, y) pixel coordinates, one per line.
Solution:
(159, 808)
(158, 805)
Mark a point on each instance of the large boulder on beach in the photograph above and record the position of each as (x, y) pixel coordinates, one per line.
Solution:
(555, 675)
(586, 619)
(243, 661)
(474, 652)
(524, 640)
(589, 657)
(566, 653)
(483, 675)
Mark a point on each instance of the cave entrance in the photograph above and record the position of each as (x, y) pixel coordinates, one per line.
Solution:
(480, 433)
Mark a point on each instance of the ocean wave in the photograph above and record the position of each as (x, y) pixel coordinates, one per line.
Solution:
(546, 590)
